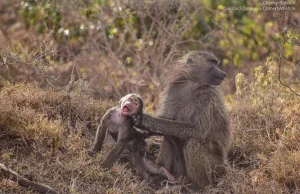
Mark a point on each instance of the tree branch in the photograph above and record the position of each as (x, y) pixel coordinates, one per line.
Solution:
(24, 182)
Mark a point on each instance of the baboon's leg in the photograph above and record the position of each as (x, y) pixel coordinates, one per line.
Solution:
(159, 170)
(138, 164)
(171, 157)
(165, 157)
(198, 165)
(178, 168)
(114, 153)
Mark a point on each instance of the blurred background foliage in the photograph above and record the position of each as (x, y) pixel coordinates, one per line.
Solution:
(116, 47)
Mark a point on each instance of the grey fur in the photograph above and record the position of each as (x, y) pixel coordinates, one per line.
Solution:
(193, 118)
(120, 127)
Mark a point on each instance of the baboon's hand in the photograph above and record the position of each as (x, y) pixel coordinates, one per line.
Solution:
(137, 120)
(91, 153)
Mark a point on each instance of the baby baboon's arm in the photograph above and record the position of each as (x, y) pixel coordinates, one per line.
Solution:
(178, 129)
(101, 132)
(100, 136)
(114, 153)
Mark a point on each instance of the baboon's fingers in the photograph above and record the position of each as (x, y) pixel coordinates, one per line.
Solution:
(168, 175)
(137, 119)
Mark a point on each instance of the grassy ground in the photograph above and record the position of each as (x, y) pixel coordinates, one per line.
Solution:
(45, 134)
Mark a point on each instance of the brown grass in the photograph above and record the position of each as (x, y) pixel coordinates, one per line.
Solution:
(45, 134)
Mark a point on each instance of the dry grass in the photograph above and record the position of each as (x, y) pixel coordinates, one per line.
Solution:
(45, 134)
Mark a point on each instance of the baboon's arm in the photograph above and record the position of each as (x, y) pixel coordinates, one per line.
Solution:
(100, 136)
(114, 154)
(101, 132)
(178, 129)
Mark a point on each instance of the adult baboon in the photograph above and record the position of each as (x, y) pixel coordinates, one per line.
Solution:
(119, 125)
(193, 118)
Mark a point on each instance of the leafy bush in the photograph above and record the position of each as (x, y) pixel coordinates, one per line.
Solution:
(266, 124)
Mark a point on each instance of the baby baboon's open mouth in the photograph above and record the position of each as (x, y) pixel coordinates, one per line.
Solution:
(125, 110)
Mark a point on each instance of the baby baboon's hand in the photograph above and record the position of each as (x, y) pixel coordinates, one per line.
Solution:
(91, 153)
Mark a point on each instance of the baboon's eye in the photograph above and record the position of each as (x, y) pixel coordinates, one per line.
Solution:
(188, 61)
(214, 61)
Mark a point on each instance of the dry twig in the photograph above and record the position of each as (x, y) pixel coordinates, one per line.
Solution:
(24, 182)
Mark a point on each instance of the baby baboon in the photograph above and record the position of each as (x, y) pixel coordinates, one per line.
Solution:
(193, 118)
(120, 126)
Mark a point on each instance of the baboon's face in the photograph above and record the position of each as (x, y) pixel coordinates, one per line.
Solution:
(203, 68)
(130, 104)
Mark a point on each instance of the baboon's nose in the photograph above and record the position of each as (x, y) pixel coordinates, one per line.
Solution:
(224, 75)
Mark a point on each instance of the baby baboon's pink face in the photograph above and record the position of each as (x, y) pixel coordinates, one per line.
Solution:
(130, 105)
